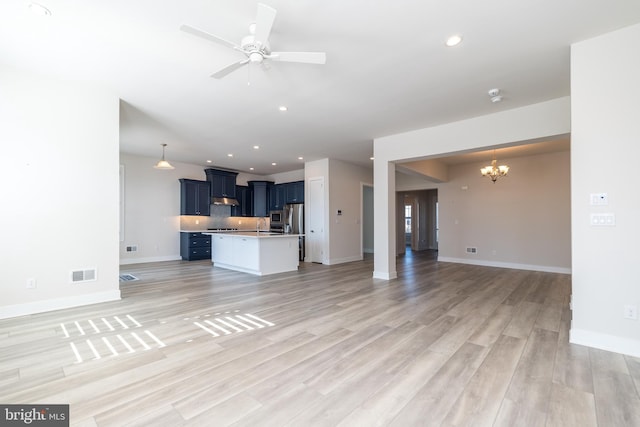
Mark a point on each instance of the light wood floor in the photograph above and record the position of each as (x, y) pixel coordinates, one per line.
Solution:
(444, 344)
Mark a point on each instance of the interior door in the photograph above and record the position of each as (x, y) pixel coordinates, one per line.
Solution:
(315, 223)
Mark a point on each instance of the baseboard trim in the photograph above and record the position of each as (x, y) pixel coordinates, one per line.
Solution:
(129, 261)
(35, 307)
(385, 276)
(605, 342)
(516, 266)
(343, 260)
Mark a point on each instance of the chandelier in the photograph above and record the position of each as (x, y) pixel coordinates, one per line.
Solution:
(494, 172)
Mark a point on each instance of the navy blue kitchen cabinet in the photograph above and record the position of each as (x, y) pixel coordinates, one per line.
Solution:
(223, 183)
(276, 197)
(195, 197)
(294, 192)
(244, 195)
(194, 246)
(260, 191)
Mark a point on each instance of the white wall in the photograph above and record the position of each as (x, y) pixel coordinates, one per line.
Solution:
(59, 192)
(345, 195)
(291, 176)
(605, 149)
(152, 207)
(343, 183)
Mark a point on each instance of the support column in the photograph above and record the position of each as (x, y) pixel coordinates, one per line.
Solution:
(384, 220)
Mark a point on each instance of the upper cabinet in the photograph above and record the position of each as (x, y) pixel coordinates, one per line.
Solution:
(276, 197)
(289, 192)
(245, 199)
(260, 191)
(294, 192)
(223, 183)
(195, 197)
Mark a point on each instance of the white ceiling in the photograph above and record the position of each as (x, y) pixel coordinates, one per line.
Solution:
(387, 68)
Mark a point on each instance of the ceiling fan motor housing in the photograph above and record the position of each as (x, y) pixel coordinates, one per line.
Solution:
(255, 51)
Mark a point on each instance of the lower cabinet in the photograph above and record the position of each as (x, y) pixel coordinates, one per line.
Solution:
(222, 248)
(238, 251)
(194, 246)
(246, 253)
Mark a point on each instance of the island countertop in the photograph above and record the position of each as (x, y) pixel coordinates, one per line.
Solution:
(252, 234)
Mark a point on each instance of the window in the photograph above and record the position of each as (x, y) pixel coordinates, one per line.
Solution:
(407, 219)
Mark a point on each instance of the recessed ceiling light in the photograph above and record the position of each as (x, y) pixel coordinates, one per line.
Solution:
(273, 164)
(283, 108)
(371, 158)
(250, 169)
(39, 9)
(454, 40)
(256, 147)
(229, 155)
(300, 158)
(208, 161)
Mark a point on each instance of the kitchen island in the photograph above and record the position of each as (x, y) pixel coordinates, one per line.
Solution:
(255, 252)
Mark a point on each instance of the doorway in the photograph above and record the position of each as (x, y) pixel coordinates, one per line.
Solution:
(367, 215)
(417, 219)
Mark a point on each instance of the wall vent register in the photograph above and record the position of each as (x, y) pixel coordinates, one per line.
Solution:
(88, 275)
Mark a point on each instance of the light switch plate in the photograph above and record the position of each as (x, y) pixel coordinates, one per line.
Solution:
(599, 199)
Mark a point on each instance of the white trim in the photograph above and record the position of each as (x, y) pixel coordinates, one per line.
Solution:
(516, 266)
(150, 259)
(605, 342)
(345, 259)
(16, 310)
(122, 207)
(385, 276)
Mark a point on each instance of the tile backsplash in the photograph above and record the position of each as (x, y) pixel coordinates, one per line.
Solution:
(220, 218)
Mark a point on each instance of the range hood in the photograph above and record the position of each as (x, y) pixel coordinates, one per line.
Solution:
(223, 186)
(227, 201)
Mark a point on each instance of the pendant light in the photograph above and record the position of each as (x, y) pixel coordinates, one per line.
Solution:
(163, 164)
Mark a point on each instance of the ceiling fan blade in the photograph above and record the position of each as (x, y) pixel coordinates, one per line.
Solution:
(306, 57)
(211, 37)
(229, 69)
(264, 22)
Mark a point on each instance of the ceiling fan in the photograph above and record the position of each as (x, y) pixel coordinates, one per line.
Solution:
(255, 46)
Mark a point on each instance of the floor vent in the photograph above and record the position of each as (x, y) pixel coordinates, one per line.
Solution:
(128, 277)
(88, 275)
(472, 250)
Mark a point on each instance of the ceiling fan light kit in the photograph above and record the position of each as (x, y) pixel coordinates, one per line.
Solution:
(255, 45)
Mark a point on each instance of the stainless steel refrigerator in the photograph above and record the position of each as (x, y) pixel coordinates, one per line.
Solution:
(294, 224)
